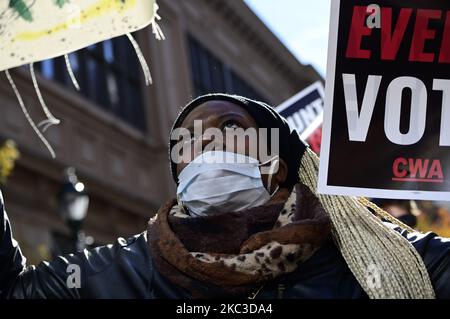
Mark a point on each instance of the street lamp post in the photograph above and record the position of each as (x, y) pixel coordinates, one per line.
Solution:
(73, 206)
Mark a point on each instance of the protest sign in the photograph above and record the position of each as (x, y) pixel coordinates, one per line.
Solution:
(33, 31)
(304, 108)
(304, 113)
(386, 130)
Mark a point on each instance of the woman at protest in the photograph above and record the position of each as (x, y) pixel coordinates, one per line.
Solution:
(243, 225)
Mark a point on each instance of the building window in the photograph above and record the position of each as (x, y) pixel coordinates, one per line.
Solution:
(210, 75)
(109, 74)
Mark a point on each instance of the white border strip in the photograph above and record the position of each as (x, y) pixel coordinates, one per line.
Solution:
(322, 186)
(383, 193)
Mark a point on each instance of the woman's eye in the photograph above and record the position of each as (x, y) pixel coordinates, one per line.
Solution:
(232, 125)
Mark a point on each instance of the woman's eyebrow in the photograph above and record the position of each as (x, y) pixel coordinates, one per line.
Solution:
(227, 115)
(231, 114)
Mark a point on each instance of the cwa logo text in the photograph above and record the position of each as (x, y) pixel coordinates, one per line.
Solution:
(417, 170)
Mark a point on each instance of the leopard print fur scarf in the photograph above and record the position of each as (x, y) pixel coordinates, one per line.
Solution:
(230, 254)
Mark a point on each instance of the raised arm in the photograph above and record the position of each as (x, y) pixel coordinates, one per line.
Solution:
(20, 281)
(120, 270)
(12, 262)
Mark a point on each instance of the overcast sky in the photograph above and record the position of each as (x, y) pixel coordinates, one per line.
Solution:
(302, 25)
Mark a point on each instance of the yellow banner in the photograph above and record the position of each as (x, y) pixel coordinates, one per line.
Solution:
(36, 30)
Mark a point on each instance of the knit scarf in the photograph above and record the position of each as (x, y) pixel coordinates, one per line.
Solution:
(232, 254)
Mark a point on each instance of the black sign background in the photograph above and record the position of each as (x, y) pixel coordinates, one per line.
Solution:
(369, 164)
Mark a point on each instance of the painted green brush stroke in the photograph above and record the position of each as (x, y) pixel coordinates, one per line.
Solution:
(22, 9)
(61, 3)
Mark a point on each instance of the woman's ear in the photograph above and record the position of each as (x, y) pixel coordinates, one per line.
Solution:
(281, 175)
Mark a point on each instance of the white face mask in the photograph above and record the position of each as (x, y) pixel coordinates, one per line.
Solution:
(218, 181)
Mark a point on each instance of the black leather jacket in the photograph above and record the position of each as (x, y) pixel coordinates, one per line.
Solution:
(125, 270)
